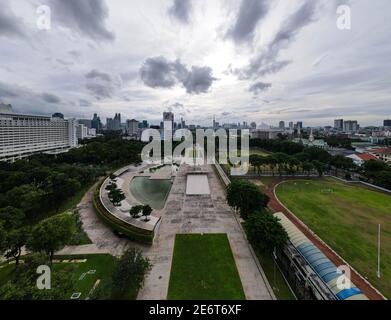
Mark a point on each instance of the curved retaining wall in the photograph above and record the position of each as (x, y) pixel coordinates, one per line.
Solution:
(119, 225)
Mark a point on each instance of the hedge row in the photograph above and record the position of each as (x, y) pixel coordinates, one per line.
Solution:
(131, 232)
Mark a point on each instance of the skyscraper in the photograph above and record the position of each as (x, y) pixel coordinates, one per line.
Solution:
(132, 127)
(96, 123)
(350, 126)
(282, 125)
(114, 124)
(338, 124)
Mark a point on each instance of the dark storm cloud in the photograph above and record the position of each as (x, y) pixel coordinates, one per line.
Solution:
(267, 61)
(100, 91)
(101, 84)
(250, 13)
(88, 17)
(293, 25)
(10, 25)
(50, 98)
(181, 10)
(7, 92)
(84, 103)
(199, 81)
(158, 72)
(96, 74)
(259, 87)
(25, 100)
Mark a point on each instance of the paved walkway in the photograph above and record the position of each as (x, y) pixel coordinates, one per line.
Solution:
(103, 239)
(200, 214)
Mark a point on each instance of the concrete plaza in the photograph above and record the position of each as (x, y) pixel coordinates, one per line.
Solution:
(201, 214)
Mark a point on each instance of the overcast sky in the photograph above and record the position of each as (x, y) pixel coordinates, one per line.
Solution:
(240, 60)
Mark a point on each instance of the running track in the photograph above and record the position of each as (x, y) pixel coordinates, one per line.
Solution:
(355, 277)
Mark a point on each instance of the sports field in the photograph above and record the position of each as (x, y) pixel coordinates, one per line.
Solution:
(346, 217)
(203, 268)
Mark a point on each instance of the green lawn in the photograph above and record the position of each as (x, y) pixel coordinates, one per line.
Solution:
(280, 287)
(346, 217)
(203, 268)
(260, 152)
(103, 264)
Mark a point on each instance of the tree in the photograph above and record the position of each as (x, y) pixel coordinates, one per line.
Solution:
(16, 239)
(307, 167)
(135, 211)
(116, 196)
(319, 167)
(3, 239)
(246, 197)
(147, 210)
(272, 162)
(11, 217)
(23, 285)
(256, 161)
(26, 197)
(129, 273)
(52, 234)
(111, 186)
(280, 160)
(383, 178)
(60, 187)
(265, 232)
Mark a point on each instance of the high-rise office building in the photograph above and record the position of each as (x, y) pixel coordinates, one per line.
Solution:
(281, 125)
(387, 123)
(350, 126)
(86, 122)
(81, 131)
(291, 126)
(338, 124)
(132, 127)
(96, 123)
(114, 124)
(22, 135)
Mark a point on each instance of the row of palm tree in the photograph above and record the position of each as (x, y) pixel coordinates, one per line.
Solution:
(282, 163)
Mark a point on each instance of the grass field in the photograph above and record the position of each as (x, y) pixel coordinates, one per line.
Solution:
(346, 217)
(260, 152)
(203, 268)
(276, 280)
(103, 265)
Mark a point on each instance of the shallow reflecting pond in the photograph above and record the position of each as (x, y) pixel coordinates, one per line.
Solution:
(152, 192)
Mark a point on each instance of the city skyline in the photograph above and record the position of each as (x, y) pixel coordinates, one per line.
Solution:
(216, 59)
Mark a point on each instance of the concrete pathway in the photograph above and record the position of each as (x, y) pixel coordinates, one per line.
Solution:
(200, 214)
(103, 239)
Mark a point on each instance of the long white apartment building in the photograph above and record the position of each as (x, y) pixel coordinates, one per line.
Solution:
(22, 135)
